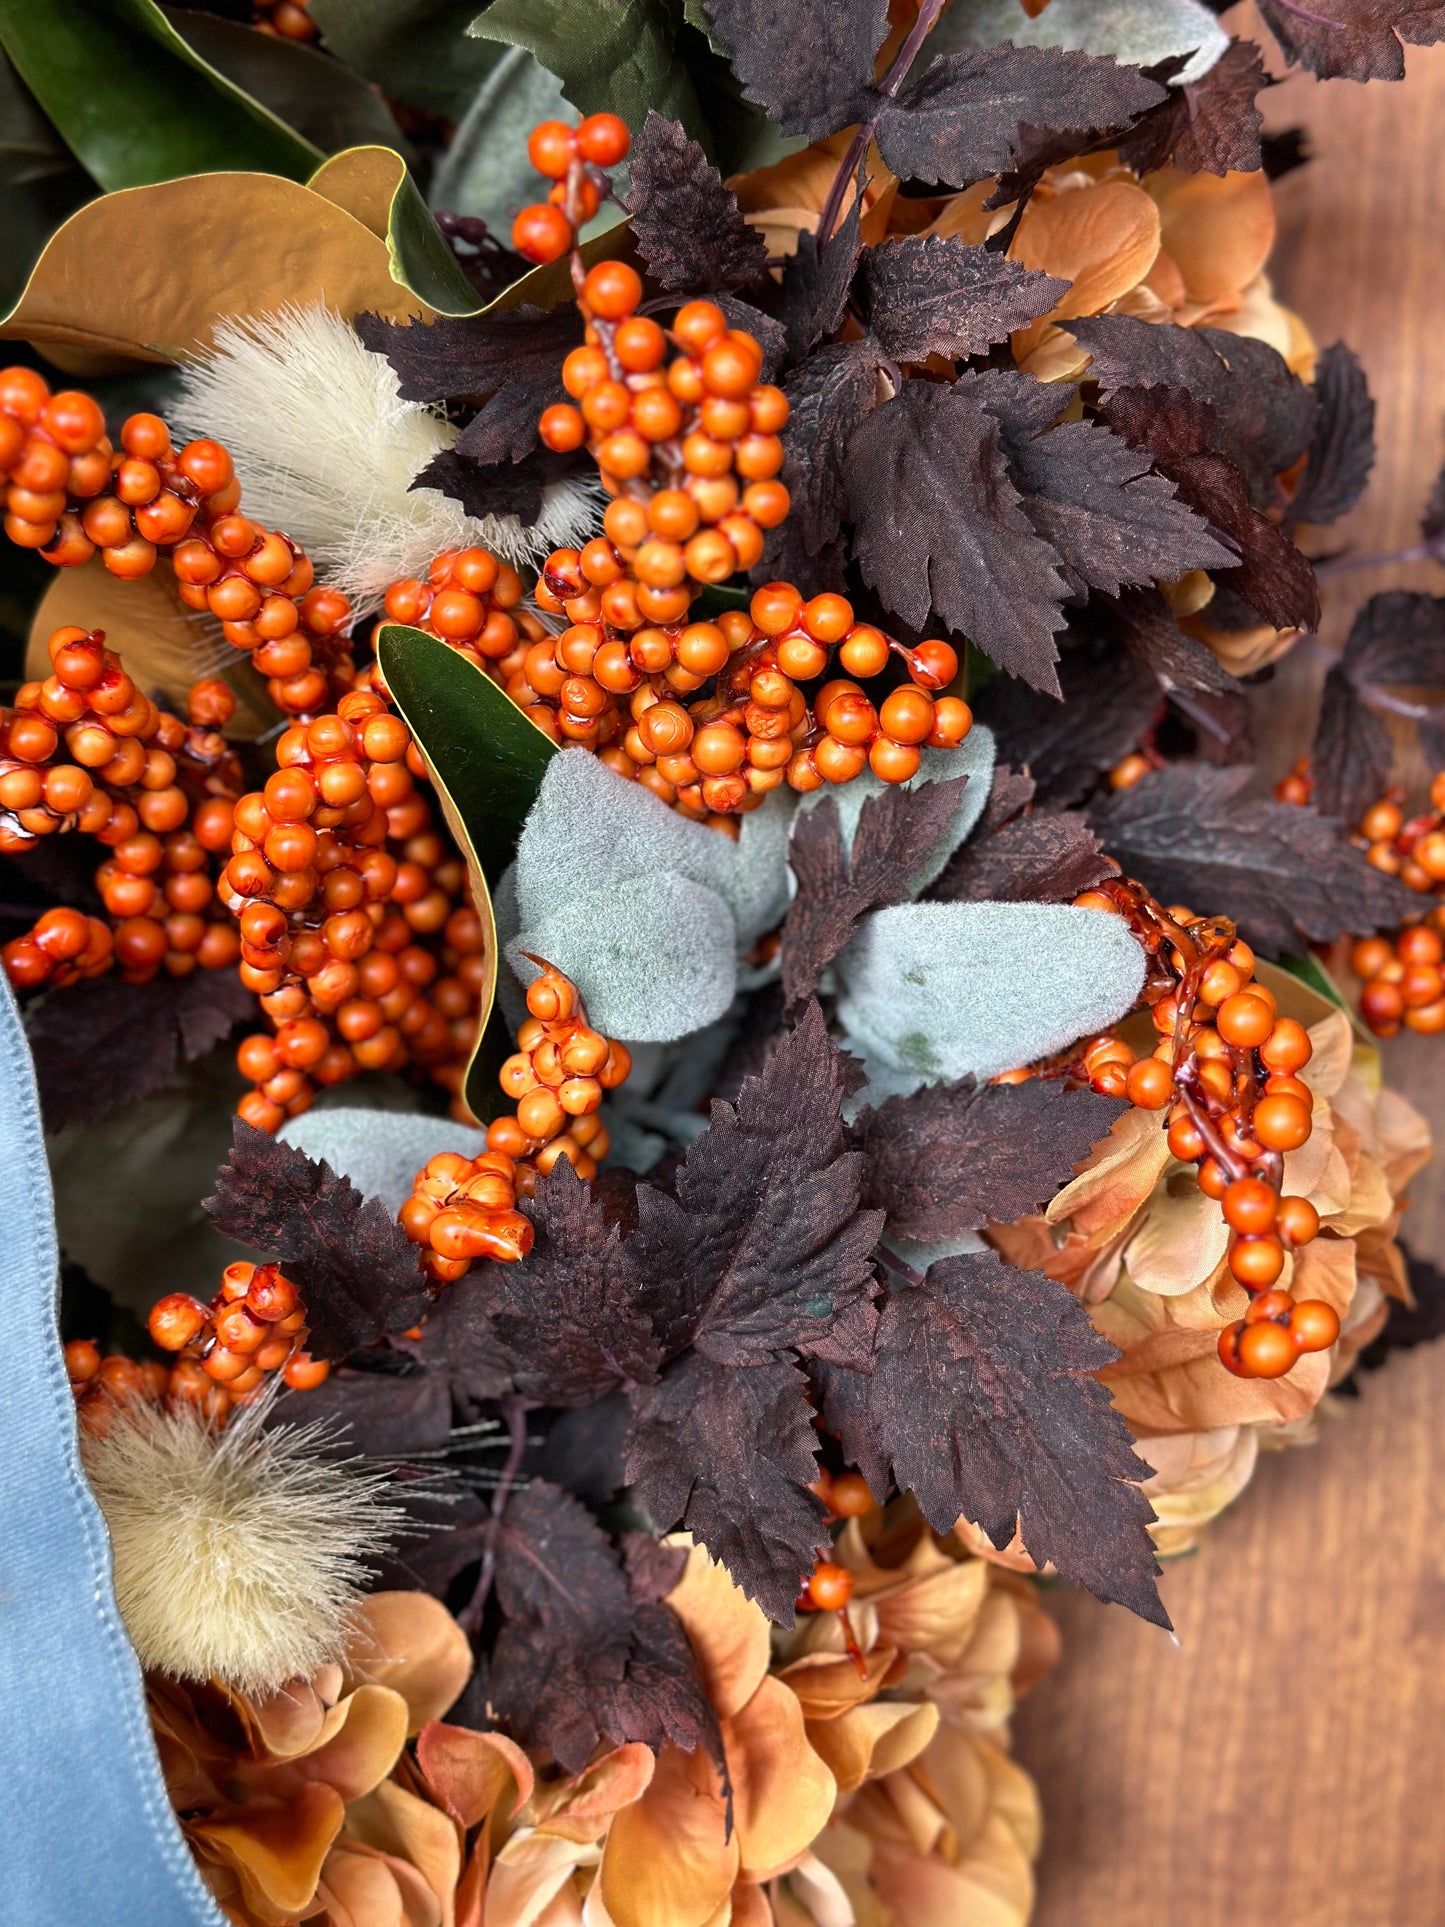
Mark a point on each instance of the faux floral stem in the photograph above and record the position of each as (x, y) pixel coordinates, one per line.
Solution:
(891, 1261)
(1308, 13)
(514, 1413)
(928, 12)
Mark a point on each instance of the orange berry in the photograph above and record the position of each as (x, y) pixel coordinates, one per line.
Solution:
(1244, 1020)
(698, 324)
(551, 146)
(1150, 1084)
(612, 290)
(1314, 1325)
(1256, 1261)
(830, 1586)
(1249, 1205)
(541, 233)
(1267, 1350)
(1298, 1221)
(602, 139)
(1282, 1122)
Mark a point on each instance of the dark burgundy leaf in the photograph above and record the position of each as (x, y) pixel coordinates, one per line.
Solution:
(810, 63)
(1177, 428)
(729, 1453)
(939, 526)
(897, 834)
(1009, 792)
(984, 1400)
(844, 1403)
(1397, 637)
(568, 1314)
(828, 395)
(1342, 451)
(816, 281)
(939, 296)
(1285, 874)
(1210, 125)
(1410, 1325)
(446, 1530)
(103, 1042)
(1108, 704)
(583, 1450)
(685, 223)
(1353, 39)
(1147, 626)
(495, 488)
(763, 1246)
(511, 357)
(1263, 416)
(1098, 503)
(769, 333)
(1042, 856)
(952, 1157)
(355, 1267)
(386, 1415)
(653, 1569)
(460, 1344)
(974, 114)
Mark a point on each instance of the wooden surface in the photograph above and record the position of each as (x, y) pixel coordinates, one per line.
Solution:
(1282, 1764)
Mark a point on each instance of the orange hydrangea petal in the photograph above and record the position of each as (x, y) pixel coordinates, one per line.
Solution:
(873, 1740)
(584, 1807)
(277, 1852)
(1102, 239)
(400, 1825)
(669, 1861)
(828, 1684)
(410, 1642)
(783, 1792)
(1218, 228)
(726, 1630)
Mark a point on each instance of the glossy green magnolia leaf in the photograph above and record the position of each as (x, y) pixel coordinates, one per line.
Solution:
(320, 99)
(486, 763)
(373, 184)
(134, 103)
(418, 50)
(41, 182)
(612, 56)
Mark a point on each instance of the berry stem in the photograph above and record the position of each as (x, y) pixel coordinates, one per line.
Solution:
(514, 1414)
(891, 1261)
(928, 13)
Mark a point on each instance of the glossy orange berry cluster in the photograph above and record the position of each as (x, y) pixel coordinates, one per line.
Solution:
(71, 493)
(574, 160)
(463, 1208)
(470, 600)
(556, 1077)
(1226, 1073)
(255, 1324)
(357, 930)
(1403, 978)
(1411, 848)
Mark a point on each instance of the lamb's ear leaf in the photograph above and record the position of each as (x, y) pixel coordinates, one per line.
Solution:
(135, 104)
(486, 763)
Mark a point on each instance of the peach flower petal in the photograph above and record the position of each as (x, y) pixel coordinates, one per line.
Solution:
(530, 1876)
(727, 1632)
(592, 1797)
(397, 1823)
(359, 1890)
(871, 1741)
(409, 1641)
(471, 1772)
(828, 1684)
(1101, 238)
(1218, 228)
(1181, 1238)
(782, 1791)
(668, 1860)
(277, 1853)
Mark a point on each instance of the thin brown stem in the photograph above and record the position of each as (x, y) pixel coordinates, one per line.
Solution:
(514, 1412)
(928, 13)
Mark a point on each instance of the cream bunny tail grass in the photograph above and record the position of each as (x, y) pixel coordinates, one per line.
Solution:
(240, 1555)
(327, 451)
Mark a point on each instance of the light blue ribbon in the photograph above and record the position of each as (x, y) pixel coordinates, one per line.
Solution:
(88, 1834)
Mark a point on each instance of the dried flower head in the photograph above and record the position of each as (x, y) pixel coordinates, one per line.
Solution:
(240, 1554)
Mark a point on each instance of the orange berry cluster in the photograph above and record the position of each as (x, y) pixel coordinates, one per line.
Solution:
(468, 599)
(70, 493)
(462, 1208)
(573, 159)
(289, 19)
(255, 1325)
(1403, 978)
(1410, 848)
(1226, 1069)
(363, 959)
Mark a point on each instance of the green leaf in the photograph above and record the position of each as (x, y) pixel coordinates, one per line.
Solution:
(487, 763)
(418, 50)
(487, 758)
(372, 183)
(485, 172)
(41, 182)
(134, 103)
(611, 56)
(322, 100)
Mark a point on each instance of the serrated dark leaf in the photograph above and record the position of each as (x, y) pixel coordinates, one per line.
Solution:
(817, 280)
(953, 1157)
(1009, 792)
(970, 115)
(1042, 856)
(1149, 631)
(936, 295)
(385, 1415)
(495, 488)
(1111, 520)
(460, 1345)
(685, 223)
(1108, 704)
(897, 833)
(510, 360)
(1286, 875)
(1354, 39)
(1177, 427)
(1397, 637)
(568, 1313)
(583, 1450)
(1342, 450)
(809, 64)
(984, 1400)
(653, 1569)
(844, 1403)
(939, 526)
(729, 1453)
(356, 1268)
(1210, 125)
(1263, 416)
(102, 1042)
(828, 395)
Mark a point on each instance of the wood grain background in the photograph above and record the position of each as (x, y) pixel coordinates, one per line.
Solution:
(1282, 1763)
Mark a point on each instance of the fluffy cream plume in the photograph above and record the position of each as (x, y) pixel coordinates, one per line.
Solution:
(240, 1554)
(327, 451)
